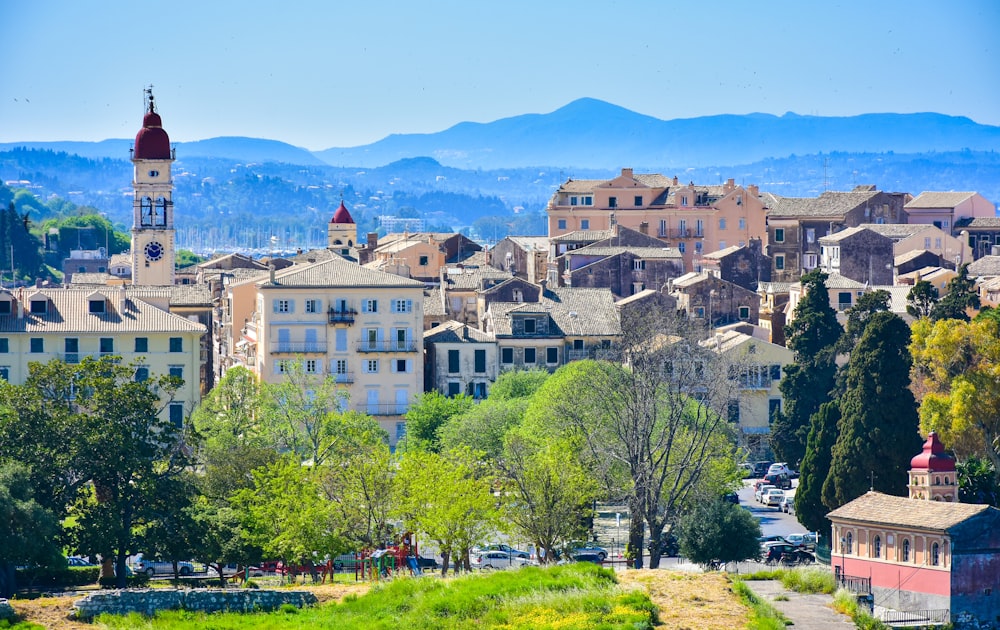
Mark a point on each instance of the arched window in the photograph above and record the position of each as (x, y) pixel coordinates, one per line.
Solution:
(937, 481)
(160, 217)
(906, 550)
(145, 211)
(849, 543)
(877, 547)
(935, 555)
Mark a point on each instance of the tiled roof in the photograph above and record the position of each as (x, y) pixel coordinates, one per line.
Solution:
(469, 278)
(938, 200)
(829, 204)
(897, 231)
(313, 256)
(94, 277)
(636, 297)
(910, 255)
(581, 185)
(433, 304)
(836, 237)
(531, 243)
(119, 260)
(68, 312)
(984, 222)
(923, 273)
(837, 281)
(190, 295)
(456, 332)
(690, 279)
(985, 266)
(641, 252)
(238, 275)
(722, 253)
(774, 287)
(574, 311)
(336, 272)
(884, 509)
(582, 236)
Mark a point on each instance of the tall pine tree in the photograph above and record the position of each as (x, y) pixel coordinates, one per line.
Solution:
(878, 430)
(812, 336)
(809, 506)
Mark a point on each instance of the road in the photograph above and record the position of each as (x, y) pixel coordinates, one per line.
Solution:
(773, 522)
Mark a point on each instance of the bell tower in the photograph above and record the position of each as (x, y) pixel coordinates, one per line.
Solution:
(341, 232)
(153, 252)
(932, 473)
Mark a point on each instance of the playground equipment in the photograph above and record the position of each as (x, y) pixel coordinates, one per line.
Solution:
(384, 562)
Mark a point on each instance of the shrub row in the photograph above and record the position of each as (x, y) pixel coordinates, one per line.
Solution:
(40, 577)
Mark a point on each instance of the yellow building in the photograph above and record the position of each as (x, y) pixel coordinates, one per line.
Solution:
(361, 326)
(38, 325)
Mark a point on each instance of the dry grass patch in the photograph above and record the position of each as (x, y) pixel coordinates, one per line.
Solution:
(49, 612)
(690, 600)
(334, 592)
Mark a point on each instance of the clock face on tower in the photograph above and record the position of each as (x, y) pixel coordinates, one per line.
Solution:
(153, 251)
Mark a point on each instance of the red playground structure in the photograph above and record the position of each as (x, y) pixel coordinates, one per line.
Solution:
(382, 563)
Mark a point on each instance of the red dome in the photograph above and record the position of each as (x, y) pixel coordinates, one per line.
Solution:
(342, 215)
(933, 458)
(152, 142)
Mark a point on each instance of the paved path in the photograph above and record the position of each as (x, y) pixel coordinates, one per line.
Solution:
(811, 611)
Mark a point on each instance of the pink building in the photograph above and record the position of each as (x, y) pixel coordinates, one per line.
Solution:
(925, 554)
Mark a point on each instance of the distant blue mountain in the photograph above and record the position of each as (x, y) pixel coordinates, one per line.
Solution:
(590, 133)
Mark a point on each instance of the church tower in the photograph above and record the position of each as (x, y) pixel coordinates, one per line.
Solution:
(153, 251)
(932, 473)
(341, 232)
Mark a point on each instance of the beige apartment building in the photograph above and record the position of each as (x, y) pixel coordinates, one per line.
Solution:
(362, 327)
(695, 219)
(38, 325)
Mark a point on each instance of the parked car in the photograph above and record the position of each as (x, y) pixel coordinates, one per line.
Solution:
(761, 491)
(77, 561)
(587, 548)
(788, 504)
(496, 559)
(804, 541)
(517, 553)
(779, 480)
(779, 468)
(731, 497)
(162, 567)
(787, 554)
(747, 470)
(427, 563)
(669, 546)
(767, 540)
(774, 497)
(346, 561)
(760, 468)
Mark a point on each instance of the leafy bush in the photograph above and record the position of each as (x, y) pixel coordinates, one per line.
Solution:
(138, 580)
(763, 616)
(813, 580)
(41, 577)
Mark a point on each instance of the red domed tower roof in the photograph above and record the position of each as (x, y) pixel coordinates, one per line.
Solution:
(933, 458)
(342, 215)
(152, 142)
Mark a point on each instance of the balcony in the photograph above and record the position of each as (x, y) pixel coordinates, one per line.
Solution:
(345, 378)
(345, 316)
(680, 233)
(388, 346)
(298, 347)
(577, 355)
(383, 409)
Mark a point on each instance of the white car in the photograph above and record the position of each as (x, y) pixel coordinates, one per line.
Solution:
(788, 504)
(162, 567)
(780, 468)
(497, 560)
(761, 491)
(774, 497)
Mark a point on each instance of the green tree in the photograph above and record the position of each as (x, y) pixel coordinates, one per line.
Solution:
(960, 296)
(425, 418)
(446, 498)
(483, 427)
(28, 531)
(921, 299)
(809, 508)
(518, 384)
(877, 433)
(812, 336)
(718, 532)
(186, 258)
(221, 537)
(18, 246)
(977, 482)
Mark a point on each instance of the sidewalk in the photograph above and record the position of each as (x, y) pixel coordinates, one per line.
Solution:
(810, 611)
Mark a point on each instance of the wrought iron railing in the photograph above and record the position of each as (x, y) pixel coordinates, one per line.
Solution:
(396, 345)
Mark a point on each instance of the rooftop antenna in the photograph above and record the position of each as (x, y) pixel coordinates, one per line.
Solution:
(150, 105)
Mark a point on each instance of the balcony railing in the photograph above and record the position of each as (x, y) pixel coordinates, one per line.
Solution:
(383, 409)
(298, 347)
(680, 233)
(343, 377)
(345, 316)
(577, 355)
(388, 346)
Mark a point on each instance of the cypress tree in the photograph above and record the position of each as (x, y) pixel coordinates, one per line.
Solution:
(809, 506)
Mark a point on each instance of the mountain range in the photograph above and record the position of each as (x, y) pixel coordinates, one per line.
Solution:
(593, 134)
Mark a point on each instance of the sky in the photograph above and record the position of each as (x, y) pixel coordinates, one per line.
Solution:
(342, 73)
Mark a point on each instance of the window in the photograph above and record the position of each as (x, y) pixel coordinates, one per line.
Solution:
(37, 345)
(479, 390)
(5, 307)
(529, 355)
(877, 547)
(684, 200)
(529, 326)
(340, 366)
(71, 346)
(313, 306)
(340, 340)
(142, 344)
(937, 242)
(698, 247)
(281, 367)
(779, 235)
(573, 201)
(637, 202)
(454, 388)
(402, 306)
(369, 306)
(681, 247)
(480, 362)
(424, 261)
(141, 373)
(552, 356)
(843, 300)
(612, 202)
(744, 312)
(810, 235)
(282, 306)
(177, 414)
(809, 261)
(587, 201)
(733, 410)
(584, 224)
(402, 338)
(402, 366)
(906, 550)
(107, 345)
(638, 264)
(453, 362)
(927, 242)
(371, 366)
(4, 345)
(176, 344)
(371, 338)
(722, 244)
(935, 555)
(310, 366)
(663, 228)
(400, 431)
(506, 355)
(177, 370)
(38, 306)
(5, 372)
(722, 223)
(779, 262)
(518, 295)
(848, 546)
(743, 223)
(97, 306)
(561, 224)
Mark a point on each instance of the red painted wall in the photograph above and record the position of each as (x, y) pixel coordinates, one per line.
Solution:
(908, 577)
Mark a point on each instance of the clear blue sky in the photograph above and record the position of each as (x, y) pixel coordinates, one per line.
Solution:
(330, 73)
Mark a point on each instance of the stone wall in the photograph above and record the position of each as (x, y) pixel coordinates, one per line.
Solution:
(149, 601)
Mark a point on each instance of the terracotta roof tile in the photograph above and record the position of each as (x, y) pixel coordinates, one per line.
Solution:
(885, 509)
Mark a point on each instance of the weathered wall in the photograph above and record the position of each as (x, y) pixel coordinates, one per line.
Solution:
(149, 601)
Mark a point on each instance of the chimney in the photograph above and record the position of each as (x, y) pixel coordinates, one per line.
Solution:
(753, 190)
(730, 185)
(627, 172)
(372, 240)
(270, 271)
(675, 180)
(644, 228)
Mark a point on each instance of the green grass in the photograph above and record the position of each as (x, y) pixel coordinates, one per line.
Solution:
(846, 602)
(572, 596)
(763, 616)
(804, 580)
